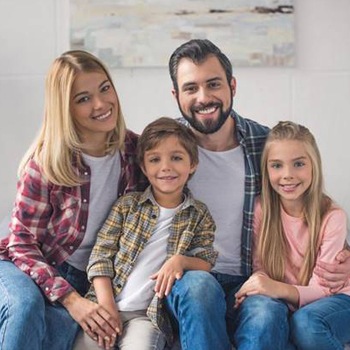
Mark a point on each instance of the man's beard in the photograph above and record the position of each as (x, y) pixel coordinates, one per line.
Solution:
(209, 126)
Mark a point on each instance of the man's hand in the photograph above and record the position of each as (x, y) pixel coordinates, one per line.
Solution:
(335, 275)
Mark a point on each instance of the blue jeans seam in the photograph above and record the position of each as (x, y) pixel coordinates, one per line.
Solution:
(5, 323)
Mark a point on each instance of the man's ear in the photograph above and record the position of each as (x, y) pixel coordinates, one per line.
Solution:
(233, 85)
(174, 92)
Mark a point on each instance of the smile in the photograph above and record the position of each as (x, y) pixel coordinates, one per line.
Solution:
(103, 116)
(289, 187)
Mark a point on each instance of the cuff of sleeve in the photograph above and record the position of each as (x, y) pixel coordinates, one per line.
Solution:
(308, 295)
(55, 288)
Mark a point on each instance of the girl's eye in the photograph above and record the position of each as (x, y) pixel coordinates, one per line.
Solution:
(177, 158)
(276, 165)
(153, 160)
(299, 164)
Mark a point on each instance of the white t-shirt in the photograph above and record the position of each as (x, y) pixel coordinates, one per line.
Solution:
(105, 172)
(138, 290)
(219, 183)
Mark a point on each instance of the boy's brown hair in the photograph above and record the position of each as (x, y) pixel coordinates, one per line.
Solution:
(163, 128)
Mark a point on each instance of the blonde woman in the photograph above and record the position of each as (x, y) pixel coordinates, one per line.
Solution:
(296, 227)
(82, 160)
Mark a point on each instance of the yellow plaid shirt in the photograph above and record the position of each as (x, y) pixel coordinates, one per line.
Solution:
(127, 230)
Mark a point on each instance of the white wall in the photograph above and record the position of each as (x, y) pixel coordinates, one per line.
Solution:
(316, 92)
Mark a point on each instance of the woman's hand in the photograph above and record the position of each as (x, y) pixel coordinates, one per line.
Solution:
(93, 318)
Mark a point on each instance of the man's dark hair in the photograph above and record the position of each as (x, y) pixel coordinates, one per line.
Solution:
(197, 50)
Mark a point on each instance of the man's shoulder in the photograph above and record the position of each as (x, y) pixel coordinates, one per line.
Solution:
(250, 127)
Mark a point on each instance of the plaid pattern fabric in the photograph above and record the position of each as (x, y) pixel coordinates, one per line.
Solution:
(251, 136)
(48, 221)
(127, 230)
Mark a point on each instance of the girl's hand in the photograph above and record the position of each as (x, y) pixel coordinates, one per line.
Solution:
(93, 318)
(257, 284)
(171, 270)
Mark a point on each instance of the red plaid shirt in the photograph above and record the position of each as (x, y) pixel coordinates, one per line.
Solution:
(49, 221)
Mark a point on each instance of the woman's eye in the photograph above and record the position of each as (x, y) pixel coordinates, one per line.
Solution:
(105, 88)
(83, 99)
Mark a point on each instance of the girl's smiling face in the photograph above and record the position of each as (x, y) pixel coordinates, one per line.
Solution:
(290, 172)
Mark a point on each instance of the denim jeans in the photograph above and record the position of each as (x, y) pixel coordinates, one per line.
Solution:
(197, 303)
(252, 325)
(262, 323)
(323, 324)
(27, 320)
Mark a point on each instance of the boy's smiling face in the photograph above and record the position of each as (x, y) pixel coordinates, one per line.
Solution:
(167, 167)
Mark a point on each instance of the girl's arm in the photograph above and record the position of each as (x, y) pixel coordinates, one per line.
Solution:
(260, 283)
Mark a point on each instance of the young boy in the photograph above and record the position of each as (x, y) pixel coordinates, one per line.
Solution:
(150, 239)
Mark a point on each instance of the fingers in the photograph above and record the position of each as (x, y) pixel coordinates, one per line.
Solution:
(101, 327)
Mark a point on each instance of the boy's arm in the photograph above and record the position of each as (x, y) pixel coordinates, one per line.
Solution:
(105, 297)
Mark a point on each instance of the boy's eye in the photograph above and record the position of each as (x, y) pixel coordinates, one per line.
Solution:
(177, 158)
(153, 160)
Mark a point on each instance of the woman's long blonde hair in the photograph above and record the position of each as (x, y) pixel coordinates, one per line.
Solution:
(273, 247)
(58, 146)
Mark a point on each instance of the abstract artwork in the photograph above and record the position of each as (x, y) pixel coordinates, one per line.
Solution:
(144, 33)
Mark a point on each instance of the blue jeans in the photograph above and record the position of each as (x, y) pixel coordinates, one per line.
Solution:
(262, 323)
(27, 320)
(197, 303)
(323, 324)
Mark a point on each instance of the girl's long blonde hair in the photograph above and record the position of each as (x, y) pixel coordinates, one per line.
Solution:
(273, 247)
(58, 146)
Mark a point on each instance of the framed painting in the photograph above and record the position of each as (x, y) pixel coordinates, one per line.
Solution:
(143, 33)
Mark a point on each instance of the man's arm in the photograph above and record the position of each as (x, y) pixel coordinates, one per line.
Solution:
(335, 275)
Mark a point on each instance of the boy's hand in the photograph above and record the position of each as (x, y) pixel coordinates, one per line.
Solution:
(108, 343)
(170, 271)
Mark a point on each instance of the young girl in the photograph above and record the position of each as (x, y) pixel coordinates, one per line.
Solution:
(297, 226)
(149, 240)
(82, 160)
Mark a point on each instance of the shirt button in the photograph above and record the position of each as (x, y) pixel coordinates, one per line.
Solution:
(83, 227)
(46, 289)
(84, 200)
(119, 285)
(71, 247)
(86, 173)
(53, 263)
(153, 216)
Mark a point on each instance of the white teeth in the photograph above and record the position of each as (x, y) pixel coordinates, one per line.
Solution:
(103, 116)
(207, 110)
